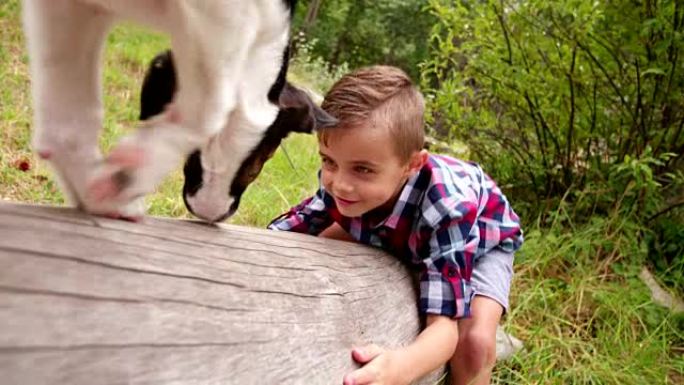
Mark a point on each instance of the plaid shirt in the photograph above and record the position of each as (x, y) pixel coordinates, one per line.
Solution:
(447, 215)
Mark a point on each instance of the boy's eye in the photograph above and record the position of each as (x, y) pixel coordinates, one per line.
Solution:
(363, 170)
(326, 161)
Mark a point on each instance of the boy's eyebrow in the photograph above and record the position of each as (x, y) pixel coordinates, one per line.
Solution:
(355, 162)
(365, 163)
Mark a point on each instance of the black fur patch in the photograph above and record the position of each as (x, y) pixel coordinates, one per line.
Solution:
(158, 87)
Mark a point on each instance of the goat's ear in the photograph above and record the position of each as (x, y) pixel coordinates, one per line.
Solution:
(305, 115)
(322, 119)
(293, 97)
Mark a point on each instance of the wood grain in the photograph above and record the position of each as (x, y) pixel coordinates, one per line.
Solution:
(88, 300)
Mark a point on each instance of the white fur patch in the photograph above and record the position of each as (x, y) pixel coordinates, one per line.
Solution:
(228, 55)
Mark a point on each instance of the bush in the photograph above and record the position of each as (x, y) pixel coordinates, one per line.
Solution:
(571, 105)
(554, 96)
(311, 70)
(363, 32)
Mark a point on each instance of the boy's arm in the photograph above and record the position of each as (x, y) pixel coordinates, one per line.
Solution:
(308, 217)
(433, 347)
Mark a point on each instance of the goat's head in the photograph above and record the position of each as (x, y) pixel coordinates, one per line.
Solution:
(296, 113)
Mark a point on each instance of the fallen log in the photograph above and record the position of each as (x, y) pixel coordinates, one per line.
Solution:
(88, 300)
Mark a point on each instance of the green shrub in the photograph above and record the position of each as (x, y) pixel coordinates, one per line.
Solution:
(552, 95)
(363, 32)
(571, 105)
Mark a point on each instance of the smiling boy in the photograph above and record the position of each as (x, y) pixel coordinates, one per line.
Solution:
(444, 216)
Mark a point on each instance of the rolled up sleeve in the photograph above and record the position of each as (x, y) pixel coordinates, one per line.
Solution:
(308, 217)
(445, 287)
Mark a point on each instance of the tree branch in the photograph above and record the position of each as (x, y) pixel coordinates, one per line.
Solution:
(665, 211)
(505, 31)
(571, 120)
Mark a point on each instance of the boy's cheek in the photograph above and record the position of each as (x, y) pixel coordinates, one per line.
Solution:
(325, 179)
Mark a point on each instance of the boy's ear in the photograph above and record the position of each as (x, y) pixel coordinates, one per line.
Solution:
(417, 161)
(305, 116)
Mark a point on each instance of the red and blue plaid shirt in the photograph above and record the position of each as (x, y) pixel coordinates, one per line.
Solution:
(447, 215)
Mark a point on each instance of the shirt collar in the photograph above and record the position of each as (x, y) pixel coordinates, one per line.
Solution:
(392, 220)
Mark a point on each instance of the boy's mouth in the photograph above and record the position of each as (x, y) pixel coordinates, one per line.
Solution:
(344, 202)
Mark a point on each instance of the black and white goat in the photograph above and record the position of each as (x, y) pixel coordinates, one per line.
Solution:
(231, 108)
(297, 113)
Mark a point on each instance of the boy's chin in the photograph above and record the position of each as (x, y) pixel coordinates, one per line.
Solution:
(373, 213)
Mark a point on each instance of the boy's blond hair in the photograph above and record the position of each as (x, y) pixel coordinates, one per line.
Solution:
(379, 96)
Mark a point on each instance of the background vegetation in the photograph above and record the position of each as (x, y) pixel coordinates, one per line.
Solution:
(576, 107)
(586, 95)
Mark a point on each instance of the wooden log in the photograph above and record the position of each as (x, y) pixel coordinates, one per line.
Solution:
(87, 300)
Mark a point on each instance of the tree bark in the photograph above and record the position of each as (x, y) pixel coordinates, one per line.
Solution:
(88, 300)
(311, 14)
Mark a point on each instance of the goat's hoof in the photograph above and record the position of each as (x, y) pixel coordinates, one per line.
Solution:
(117, 173)
(123, 217)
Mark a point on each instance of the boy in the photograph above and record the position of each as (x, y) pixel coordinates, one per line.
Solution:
(442, 215)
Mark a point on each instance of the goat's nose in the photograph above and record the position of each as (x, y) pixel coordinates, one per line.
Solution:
(210, 209)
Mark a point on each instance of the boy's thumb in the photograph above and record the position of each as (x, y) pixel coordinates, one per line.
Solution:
(367, 353)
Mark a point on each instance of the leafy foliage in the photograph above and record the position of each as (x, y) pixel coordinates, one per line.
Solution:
(575, 107)
(564, 98)
(362, 32)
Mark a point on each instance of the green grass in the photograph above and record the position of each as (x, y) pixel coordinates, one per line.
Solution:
(576, 302)
(585, 316)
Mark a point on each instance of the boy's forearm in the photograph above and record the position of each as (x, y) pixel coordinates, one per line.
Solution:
(433, 347)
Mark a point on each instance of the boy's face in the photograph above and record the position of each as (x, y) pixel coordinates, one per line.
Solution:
(361, 170)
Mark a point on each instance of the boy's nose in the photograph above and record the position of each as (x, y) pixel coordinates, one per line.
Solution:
(341, 184)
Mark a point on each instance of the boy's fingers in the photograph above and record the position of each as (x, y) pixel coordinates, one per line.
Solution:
(368, 375)
(367, 353)
(363, 376)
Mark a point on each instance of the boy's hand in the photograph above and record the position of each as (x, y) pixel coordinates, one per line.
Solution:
(381, 367)
(433, 347)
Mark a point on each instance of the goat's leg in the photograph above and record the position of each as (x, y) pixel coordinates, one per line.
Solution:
(64, 43)
(210, 52)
